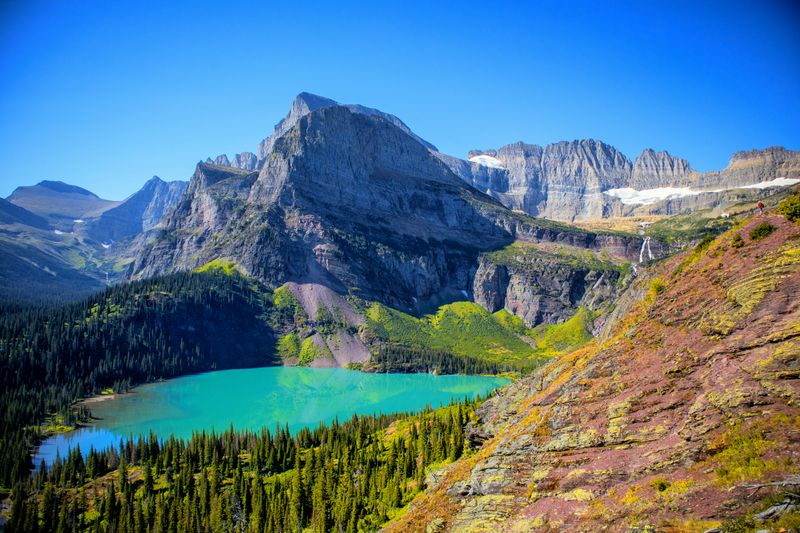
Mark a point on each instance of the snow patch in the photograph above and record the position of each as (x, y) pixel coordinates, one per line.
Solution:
(777, 182)
(105, 246)
(487, 161)
(59, 232)
(78, 221)
(630, 196)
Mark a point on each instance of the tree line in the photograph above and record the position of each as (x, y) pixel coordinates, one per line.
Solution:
(344, 477)
(128, 334)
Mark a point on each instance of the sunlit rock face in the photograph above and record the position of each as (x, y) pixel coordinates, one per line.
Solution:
(588, 179)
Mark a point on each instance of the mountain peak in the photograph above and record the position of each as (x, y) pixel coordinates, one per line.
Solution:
(311, 102)
(60, 186)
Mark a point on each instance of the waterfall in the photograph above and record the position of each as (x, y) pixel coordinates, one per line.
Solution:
(645, 244)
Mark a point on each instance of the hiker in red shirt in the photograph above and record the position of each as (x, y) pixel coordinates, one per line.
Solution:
(760, 206)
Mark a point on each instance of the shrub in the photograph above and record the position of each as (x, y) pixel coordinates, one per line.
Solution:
(661, 484)
(656, 287)
(703, 245)
(790, 208)
(761, 231)
(737, 241)
(289, 345)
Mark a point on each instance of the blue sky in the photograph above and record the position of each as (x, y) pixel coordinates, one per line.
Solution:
(107, 94)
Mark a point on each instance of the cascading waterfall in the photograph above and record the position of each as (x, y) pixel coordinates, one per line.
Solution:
(645, 244)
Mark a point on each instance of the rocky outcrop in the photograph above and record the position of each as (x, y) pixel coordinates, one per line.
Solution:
(349, 199)
(245, 161)
(139, 213)
(541, 287)
(668, 421)
(568, 180)
(653, 169)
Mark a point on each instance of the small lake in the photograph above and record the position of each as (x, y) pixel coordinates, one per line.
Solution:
(260, 397)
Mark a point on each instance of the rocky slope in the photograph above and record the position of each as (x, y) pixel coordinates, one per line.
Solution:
(138, 213)
(79, 243)
(661, 425)
(13, 214)
(349, 199)
(577, 180)
(544, 284)
(59, 203)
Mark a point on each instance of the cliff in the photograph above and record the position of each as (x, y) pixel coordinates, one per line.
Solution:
(349, 199)
(588, 179)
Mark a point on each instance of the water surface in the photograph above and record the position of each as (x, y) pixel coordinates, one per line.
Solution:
(260, 397)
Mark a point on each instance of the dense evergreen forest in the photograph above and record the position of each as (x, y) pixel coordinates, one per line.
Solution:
(129, 334)
(341, 477)
(402, 359)
(345, 477)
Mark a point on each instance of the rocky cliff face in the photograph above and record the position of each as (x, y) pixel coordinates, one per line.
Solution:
(568, 180)
(349, 199)
(755, 166)
(304, 104)
(139, 213)
(543, 287)
(660, 426)
(653, 169)
(344, 199)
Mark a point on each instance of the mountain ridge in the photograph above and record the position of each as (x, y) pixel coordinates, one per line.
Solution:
(576, 180)
(349, 199)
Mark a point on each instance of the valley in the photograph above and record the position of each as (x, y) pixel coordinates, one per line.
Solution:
(284, 334)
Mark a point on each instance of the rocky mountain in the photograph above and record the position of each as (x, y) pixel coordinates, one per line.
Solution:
(666, 423)
(348, 199)
(653, 169)
(37, 263)
(59, 203)
(304, 104)
(38, 271)
(56, 257)
(138, 213)
(588, 179)
(13, 214)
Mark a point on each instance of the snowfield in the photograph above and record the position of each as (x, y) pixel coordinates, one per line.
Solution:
(777, 182)
(630, 196)
(487, 161)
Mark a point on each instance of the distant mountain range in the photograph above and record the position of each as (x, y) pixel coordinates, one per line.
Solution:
(59, 241)
(348, 196)
(582, 179)
(588, 179)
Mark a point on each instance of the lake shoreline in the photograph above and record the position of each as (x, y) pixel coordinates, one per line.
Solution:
(258, 398)
(104, 397)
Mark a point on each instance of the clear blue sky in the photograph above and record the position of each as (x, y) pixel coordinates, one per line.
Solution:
(106, 94)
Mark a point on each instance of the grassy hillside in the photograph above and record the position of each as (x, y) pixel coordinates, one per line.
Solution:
(669, 424)
(466, 329)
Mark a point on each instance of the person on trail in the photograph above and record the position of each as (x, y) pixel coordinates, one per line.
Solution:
(760, 206)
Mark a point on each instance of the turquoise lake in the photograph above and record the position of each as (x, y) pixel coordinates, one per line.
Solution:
(260, 397)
